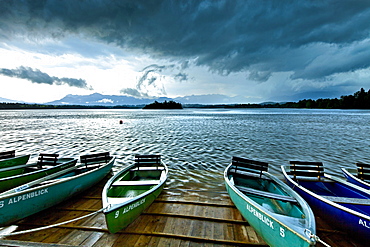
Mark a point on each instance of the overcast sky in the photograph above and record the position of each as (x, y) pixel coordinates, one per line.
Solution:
(260, 49)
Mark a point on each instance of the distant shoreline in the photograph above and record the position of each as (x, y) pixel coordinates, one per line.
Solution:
(359, 100)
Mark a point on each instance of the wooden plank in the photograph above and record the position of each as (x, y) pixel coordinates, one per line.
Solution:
(14, 243)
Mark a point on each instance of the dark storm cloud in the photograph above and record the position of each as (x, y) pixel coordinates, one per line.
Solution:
(181, 77)
(226, 36)
(36, 76)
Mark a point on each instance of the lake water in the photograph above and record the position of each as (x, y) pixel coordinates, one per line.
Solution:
(196, 144)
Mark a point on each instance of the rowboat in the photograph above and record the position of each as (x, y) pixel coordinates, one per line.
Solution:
(48, 191)
(47, 164)
(359, 176)
(8, 159)
(345, 205)
(277, 213)
(134, 188)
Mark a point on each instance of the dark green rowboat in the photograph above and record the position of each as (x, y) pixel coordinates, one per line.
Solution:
(127, 194)
(43, 193)
(8, 159)
(277, 213)
(47, 164)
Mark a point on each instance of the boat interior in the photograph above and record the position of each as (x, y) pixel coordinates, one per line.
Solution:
(146, 174)
(248, 178)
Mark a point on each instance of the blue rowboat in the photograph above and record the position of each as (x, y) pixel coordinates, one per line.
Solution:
(8, 159)
(277, 213)
(345, 205)
(47, 164)
(127, 194)
(43, 193)
(359, 176)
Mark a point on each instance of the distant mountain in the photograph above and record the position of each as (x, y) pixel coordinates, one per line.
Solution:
(112, 100)
(4, 100)
(99, 99)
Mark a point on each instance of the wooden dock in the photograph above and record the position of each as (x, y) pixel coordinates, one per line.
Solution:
(179, 217)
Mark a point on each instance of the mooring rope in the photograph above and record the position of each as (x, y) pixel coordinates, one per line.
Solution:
(51, 226)
(315, 237)
(322, 242)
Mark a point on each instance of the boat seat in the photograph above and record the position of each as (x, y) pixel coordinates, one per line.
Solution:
(300, 169)
(147, 159)
(363, 171)
(247, 165)
(266, 194)
(148, 168)
(135, 183)
(348, 200)
(47, 159)
(98, 158)
(7, 154)
(117, 200)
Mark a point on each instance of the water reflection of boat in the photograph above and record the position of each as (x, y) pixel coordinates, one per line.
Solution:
(359, 176)
(277, 213)
(43, 193)
(9, 158)
(127, 194)
(47, 164)
(345, 205)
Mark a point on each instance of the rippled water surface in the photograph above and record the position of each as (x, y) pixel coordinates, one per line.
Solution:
(193, 140)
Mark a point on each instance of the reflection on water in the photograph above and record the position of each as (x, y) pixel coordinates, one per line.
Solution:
(193, 140)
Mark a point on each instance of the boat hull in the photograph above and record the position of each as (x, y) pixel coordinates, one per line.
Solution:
(121, 217)
(273, 231)
(131, 200)
(355, 180)
(19, 205)
(355, 223)
(18, 160)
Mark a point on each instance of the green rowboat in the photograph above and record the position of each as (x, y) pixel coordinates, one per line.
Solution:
(277, 213)
(47, 164)
(43, 193)
(127, 194)
(8, 159)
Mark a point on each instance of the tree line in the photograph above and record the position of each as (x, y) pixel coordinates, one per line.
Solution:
(359, 100)
(164, 105)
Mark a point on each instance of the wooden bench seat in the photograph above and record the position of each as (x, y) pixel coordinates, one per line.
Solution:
(247, 165)
(147, 159)
(148, 168)
(118, 200)
(266, 194)
(7, 154)
(47, 159)
(98, 158)
(300, 169)
(363, 171)
(135, 183)
(348, 200)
